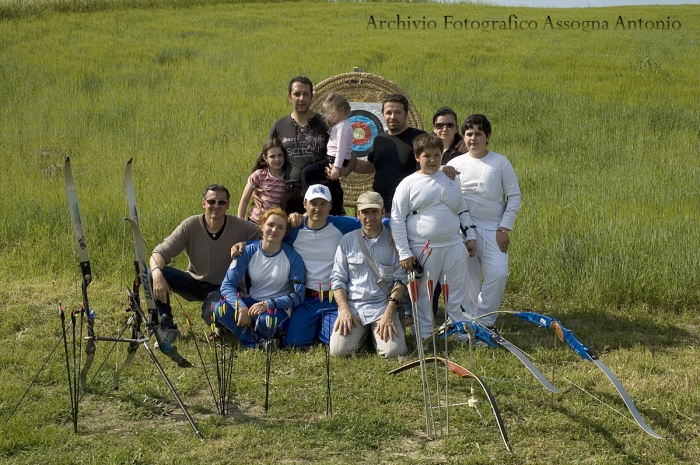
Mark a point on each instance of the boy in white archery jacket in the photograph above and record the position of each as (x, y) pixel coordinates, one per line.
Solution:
(429, 206)
(491, 191)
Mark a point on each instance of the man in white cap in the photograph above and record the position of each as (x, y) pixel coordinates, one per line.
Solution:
(316, 240)
(368, 283)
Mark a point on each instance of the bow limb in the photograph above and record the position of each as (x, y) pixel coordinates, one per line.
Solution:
(85, 270)
(565, 335)
(494, 339)
(464, 373)
(144, 271)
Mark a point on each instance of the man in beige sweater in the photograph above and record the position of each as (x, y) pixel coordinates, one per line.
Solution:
(207, 239)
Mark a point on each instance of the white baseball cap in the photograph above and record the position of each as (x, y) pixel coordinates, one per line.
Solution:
(317, 191)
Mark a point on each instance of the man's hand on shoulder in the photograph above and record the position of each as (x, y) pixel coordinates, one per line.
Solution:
(450, 171)
(296, 220)
(237, 250)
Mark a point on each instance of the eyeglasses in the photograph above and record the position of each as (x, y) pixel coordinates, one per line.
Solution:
(439, 126)
(219, 201)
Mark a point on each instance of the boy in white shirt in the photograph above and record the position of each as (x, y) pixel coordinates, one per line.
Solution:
(491, 191)
(429, 206)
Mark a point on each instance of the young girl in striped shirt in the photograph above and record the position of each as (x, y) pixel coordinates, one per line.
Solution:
(267, 178)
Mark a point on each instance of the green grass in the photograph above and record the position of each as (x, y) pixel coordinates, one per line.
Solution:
(601, 127)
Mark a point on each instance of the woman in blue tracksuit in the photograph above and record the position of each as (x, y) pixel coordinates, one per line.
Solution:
(276, 274)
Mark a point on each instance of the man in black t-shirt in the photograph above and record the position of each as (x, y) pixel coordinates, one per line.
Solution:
(304, 135)
(391, 156)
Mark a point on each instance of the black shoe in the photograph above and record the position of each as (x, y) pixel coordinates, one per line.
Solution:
(181, 361)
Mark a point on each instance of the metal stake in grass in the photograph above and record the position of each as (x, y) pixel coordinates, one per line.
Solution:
(329, 401)
(413, 289)
(43, 365)
(75, 375)
(65, 347)
(429, 283)
(473, 401)
(201, 359)
(219, 406)
(270, 325)
(445, 298)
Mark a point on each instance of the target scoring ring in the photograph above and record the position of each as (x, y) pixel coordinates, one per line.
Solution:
(365, 127)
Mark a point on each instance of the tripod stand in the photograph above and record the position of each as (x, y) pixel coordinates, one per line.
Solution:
(138, 338)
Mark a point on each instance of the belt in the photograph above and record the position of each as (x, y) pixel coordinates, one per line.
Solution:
(310, 293)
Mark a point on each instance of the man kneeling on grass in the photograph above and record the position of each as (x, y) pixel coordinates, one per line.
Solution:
(368, 283)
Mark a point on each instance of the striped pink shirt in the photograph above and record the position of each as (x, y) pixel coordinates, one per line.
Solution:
(271, 190)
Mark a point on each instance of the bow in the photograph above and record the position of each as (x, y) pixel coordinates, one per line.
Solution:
(143, 270)
(494, 339)
(143, 276)
(464, 373)
(565, 335)
(86, 273)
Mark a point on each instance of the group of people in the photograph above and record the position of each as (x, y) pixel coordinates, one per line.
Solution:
(297, 269)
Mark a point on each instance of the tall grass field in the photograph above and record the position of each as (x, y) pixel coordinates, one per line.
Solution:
(598, 110)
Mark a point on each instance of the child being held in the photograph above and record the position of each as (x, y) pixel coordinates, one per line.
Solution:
(336, 111)
(267, 179)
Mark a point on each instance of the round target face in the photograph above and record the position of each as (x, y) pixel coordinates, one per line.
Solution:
(365, 127)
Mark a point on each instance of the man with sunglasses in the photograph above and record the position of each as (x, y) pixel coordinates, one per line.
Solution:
(207, 239)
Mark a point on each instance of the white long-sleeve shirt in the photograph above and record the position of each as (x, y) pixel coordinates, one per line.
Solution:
(490, 188)
(428, 207)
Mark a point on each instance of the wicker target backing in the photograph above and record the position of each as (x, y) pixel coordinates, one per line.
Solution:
(357, 86)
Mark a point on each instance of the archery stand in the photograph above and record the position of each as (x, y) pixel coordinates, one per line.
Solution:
(139, 338)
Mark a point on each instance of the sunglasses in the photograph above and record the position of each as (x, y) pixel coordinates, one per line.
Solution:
(439, 126)
(215, 201)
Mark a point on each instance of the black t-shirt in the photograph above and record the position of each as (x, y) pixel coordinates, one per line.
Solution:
(304, 145)
(393, 160)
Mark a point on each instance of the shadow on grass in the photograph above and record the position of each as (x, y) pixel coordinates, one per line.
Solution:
(601, 330)
(619, 446)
